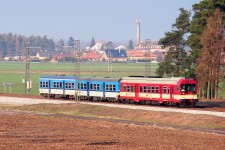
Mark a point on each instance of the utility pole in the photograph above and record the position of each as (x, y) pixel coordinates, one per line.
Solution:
(109, 61)
(77, 55)
(77, 68)
(147, 61)
(28, 82)
(27, 76)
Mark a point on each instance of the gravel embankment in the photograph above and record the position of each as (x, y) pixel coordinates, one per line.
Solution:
(30, 101)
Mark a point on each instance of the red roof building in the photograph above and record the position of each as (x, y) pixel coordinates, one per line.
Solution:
(140, 55)
(90, 56)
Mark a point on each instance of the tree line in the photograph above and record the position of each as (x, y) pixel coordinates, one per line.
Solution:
(13, 44)
(205, 37)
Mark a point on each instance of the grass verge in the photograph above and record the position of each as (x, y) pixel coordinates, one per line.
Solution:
(143, 116)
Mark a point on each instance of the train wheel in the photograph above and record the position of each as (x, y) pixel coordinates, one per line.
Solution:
(191, 105)
(131, 101)
(142, 102)
(183, 104)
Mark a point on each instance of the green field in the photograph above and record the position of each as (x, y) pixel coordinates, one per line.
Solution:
(96, 67)
(14, 72)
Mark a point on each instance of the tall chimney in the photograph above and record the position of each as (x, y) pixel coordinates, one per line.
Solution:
(138, 21)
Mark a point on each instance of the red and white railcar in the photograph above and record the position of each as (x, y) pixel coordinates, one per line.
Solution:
(170, 91)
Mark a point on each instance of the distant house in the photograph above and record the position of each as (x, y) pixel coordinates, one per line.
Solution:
(116, 55)
(42, 56)
(97, 47)
(63, 57)
(140, 55)
(148, 44)
(90, 56)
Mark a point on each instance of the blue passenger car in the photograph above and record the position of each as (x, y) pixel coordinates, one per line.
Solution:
(77, 86)
(54, 86)
(100, 88)
(104, 88)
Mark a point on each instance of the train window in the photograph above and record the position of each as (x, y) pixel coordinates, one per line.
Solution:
(188, 88)
(156, 89)
(94, 86)
(128, 88)
(125, 88)
(84, 86)
(57, 84)
(153, 89)
(114, 87)
(68, 85)
(164, 89)
(44, 84)
(149, 89)
(132, 89)
(168, 90)
(81, 86)
(141, 89)
(72, 85)
(110, 87)
(145, 89)
(98, 87)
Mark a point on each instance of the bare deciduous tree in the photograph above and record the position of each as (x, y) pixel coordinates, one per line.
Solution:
(209, 71)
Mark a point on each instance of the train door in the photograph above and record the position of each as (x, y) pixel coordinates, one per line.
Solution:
(103, 89)
(63, 87)
(50, 87)
(87, 88)
(171, 93)
(160, 92)
(136, 92)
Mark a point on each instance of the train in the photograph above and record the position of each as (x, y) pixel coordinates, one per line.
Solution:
(174, 91)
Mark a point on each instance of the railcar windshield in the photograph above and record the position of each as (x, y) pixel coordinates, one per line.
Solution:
(186, 88)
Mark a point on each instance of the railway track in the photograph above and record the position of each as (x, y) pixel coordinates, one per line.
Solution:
(203, 106)
(211, 106)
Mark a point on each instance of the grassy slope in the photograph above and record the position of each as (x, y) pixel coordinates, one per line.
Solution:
(151, 117)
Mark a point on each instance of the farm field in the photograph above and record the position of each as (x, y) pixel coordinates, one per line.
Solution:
(14, 72)
(77, 126)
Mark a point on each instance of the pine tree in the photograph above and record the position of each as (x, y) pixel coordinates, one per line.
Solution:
(70, 42)
(175, 63)
(92, 42)
(131, 44)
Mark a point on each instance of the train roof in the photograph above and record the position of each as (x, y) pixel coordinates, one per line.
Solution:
(172, 80)
(108, 79)
(58, 77)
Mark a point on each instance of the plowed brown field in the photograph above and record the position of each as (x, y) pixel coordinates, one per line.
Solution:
(20, 130)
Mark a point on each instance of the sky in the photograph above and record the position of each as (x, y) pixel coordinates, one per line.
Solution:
(108, 20)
